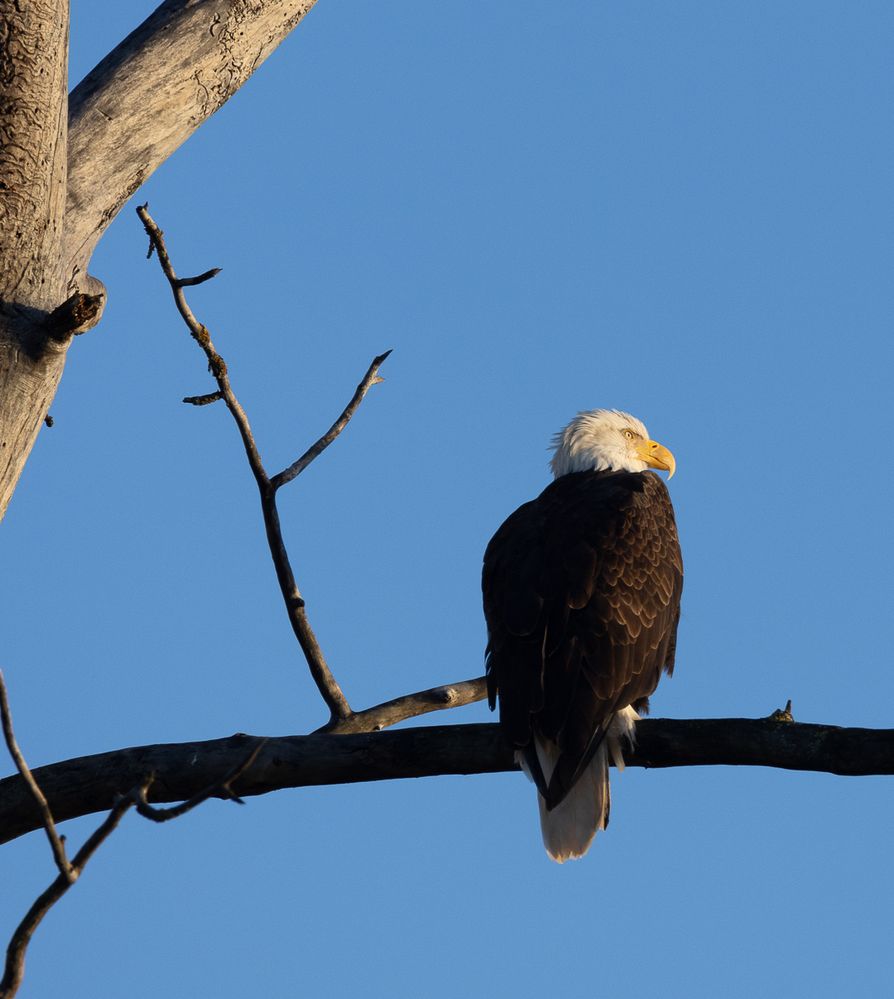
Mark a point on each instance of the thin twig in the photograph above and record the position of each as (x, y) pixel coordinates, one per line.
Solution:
(374, 719)
(221, 790)
(56, 844)
(296, 468)
(216, 364)
(199, 278)
(326, 683)
(203, 400)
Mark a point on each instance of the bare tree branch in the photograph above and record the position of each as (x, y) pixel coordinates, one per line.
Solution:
(451, 695)
(148, 96)
(199, 278)
(18, 945)
(69, 873)
(56, 844)
(369, 379)
(328, 686)
(203, 400)
(90, 783)
(329, 689)
(216, 364)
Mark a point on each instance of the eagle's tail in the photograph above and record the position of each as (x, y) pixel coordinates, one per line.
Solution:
(568, 829)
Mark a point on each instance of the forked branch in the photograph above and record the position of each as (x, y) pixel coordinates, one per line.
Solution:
(327, 685)
(341, 718)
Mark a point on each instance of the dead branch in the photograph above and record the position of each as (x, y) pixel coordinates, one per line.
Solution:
(46, 816)
(329, 689)
(452, 695)
(89, 784)
(14, 970)
(77, 314)
(369, 379)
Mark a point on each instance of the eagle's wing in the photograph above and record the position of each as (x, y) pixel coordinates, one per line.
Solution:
(581, 595)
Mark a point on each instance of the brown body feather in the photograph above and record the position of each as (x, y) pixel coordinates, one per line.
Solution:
(582, 598)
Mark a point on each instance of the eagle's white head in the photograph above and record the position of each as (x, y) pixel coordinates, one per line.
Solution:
(607, 439)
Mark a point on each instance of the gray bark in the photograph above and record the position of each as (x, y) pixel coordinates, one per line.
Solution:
(33, 70)
(58, 192)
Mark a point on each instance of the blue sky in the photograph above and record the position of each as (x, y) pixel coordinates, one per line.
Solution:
(683, 210)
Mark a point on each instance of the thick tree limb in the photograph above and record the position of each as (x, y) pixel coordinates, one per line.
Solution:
(90, 783)
(151, 93)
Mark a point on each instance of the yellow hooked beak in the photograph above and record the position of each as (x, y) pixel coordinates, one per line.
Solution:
(656, 455)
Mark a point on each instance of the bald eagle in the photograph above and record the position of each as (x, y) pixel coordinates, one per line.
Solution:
(582, 599)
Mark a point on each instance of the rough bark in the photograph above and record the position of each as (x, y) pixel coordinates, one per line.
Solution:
(58, 194)
(152, 92)
(92, 783)
(33, 70)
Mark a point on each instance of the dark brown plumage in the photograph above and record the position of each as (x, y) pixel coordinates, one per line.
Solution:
(582, 598)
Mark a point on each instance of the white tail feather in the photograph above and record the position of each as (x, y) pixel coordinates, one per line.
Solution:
(568, 830)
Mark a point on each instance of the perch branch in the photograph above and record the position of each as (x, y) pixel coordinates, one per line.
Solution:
(326, 683)
(89, 784)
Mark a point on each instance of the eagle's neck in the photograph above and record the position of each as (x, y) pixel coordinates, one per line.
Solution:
(572, 459)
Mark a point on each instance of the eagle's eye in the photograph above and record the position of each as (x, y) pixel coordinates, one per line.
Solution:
(629, 434)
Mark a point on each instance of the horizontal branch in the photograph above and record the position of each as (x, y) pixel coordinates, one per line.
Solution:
(91, 783)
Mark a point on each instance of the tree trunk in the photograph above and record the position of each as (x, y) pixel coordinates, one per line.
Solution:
(33, 167)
